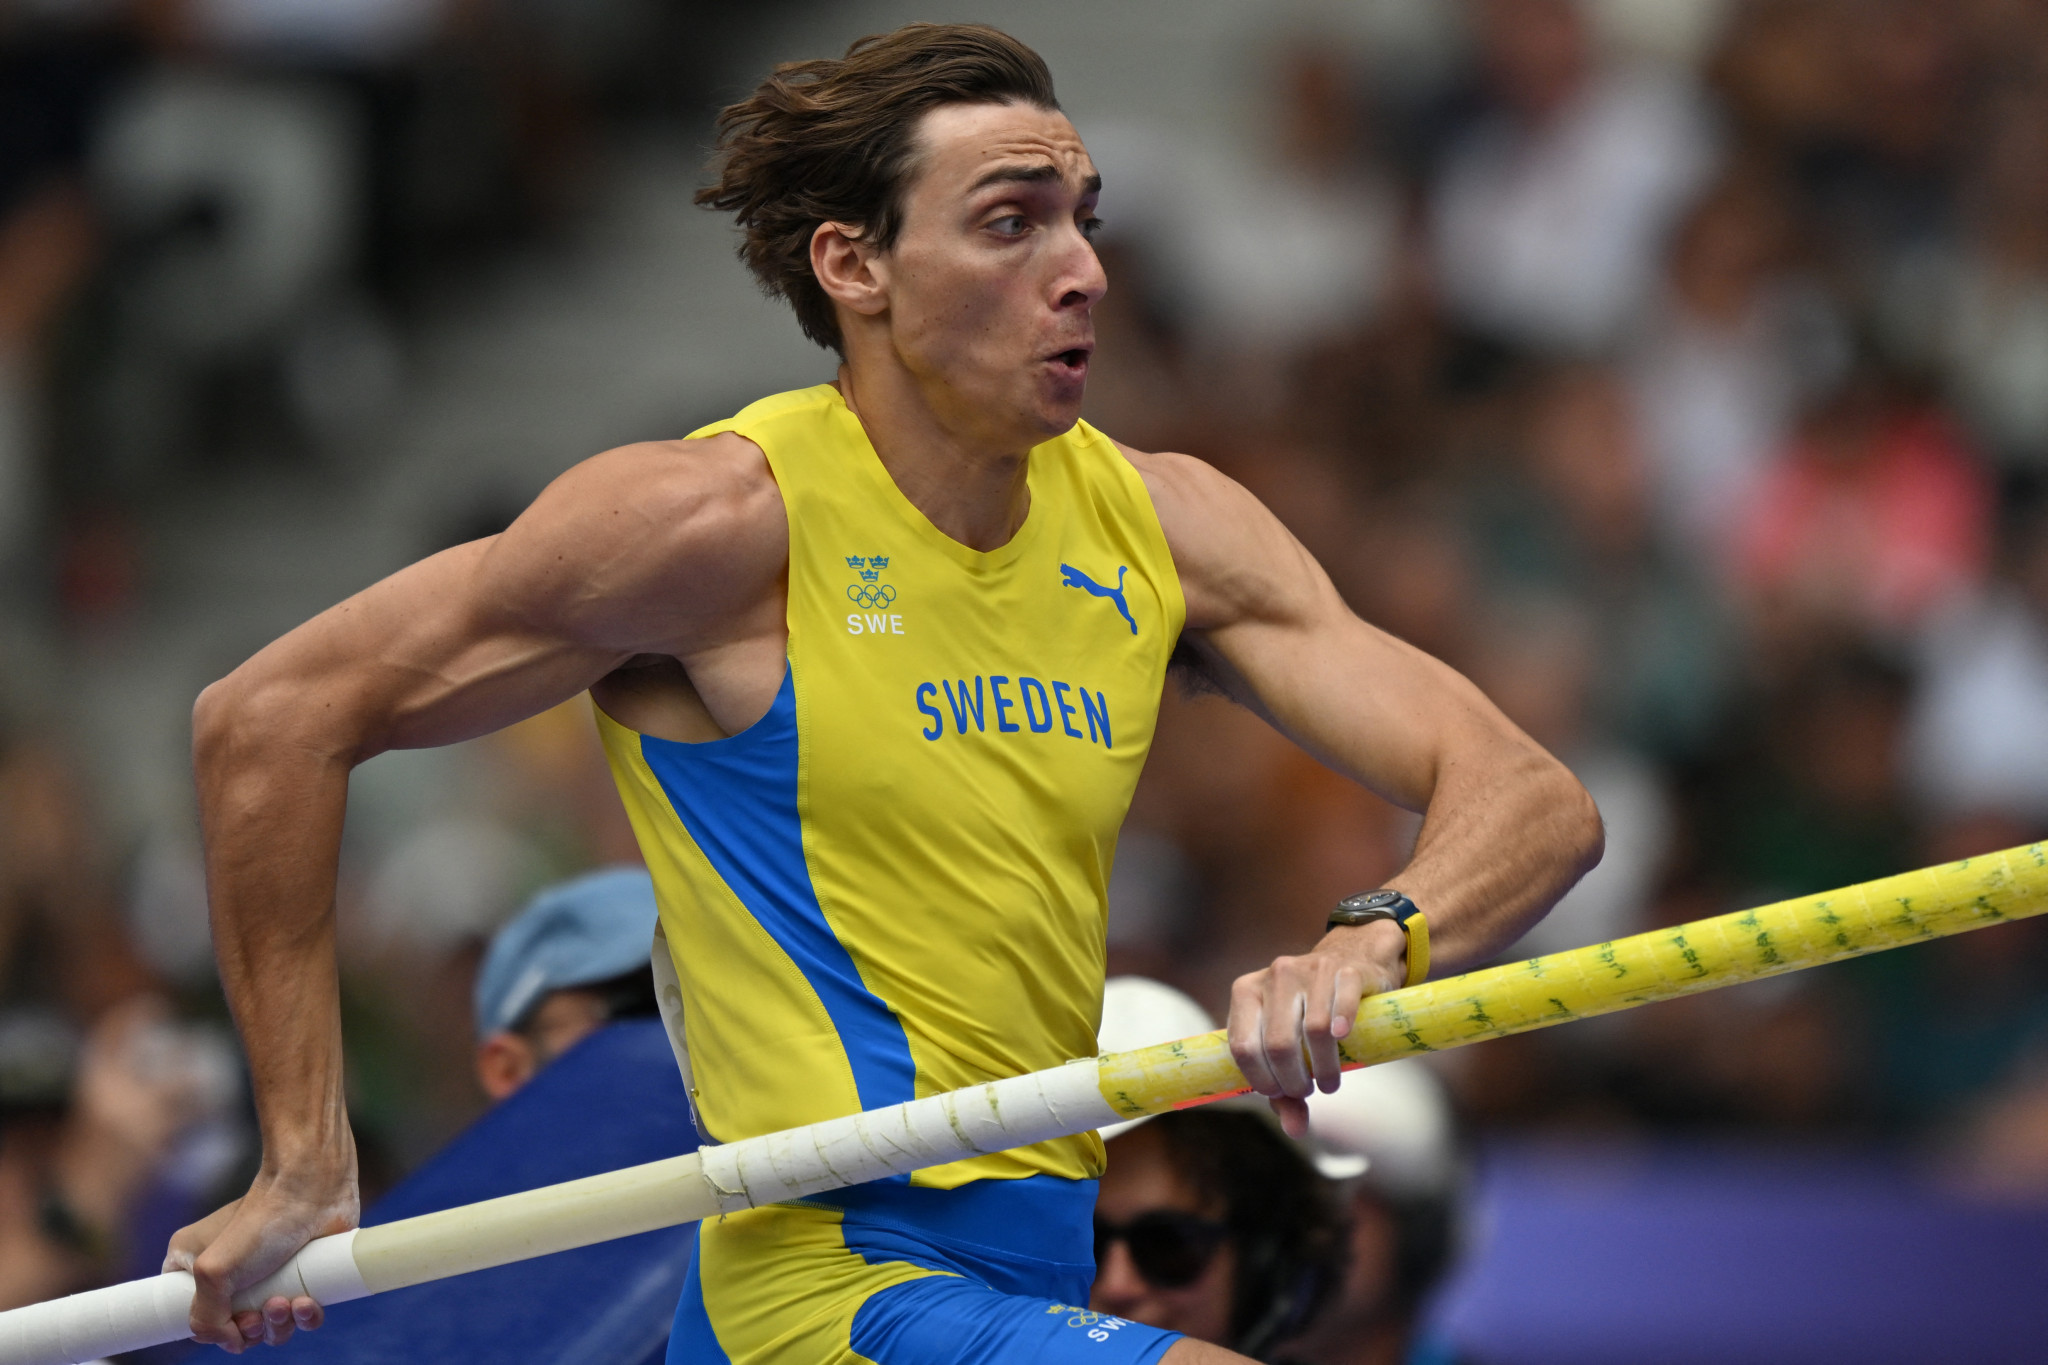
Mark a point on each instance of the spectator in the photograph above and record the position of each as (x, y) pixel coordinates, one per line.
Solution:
(54, 76)
(1725, 357)
(1550, 213)
(85, 1145)
(1403, 1198)
(61, 944)
(1818, 802)
(1294, 242)
(573, 960)
(1979, 728)
(1871, 520)
(1210, 1221)
(2002, 1148)
(1572, 519)
(1992, 309)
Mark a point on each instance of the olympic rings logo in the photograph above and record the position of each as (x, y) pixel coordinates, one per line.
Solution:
(1100, 1324)
(870, 595)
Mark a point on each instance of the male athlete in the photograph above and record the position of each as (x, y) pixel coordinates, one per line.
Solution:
(876, 664)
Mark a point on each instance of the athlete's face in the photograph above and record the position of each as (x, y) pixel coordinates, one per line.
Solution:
(992, 281)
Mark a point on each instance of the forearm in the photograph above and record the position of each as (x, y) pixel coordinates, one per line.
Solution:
(1505, 833)
(272, 799)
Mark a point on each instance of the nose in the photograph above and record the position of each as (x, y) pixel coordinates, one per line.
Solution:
(1119, 1288)
(1083, 281)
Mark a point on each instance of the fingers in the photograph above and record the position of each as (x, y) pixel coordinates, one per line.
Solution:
(279, 1319)
(273, 1323)
(1247, 1030)
(1346, 994)
(1329, 1002)
(187, 1242)
(1285, 1023)
(1292, 1113)
(212, 1320)
(247, 1245)
(1286, 1006)
(248, 1239)
(1267, 1010)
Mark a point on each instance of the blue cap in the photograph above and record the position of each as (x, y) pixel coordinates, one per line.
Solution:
(576, 933)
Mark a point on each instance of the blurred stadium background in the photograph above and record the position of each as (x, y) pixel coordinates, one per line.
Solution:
(1678, 369)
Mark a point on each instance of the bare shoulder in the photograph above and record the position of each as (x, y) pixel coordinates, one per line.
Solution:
(1236, 561)
(656, 542)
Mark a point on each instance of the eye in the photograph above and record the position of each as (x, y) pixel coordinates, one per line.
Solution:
(1090, 225)
(1012, 225)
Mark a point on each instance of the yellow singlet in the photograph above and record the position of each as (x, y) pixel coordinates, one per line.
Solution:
(894, 884)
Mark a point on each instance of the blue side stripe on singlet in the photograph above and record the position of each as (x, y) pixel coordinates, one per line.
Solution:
(737, 797)
(691, 1340)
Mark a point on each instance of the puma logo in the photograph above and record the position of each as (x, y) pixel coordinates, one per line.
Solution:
(1072, 577)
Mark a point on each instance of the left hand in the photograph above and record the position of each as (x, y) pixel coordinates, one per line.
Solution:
(1286, 1019)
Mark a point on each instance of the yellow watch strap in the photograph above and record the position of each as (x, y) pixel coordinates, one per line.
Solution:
(1417, 929)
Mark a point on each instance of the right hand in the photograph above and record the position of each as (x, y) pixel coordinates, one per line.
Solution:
(239, 1244)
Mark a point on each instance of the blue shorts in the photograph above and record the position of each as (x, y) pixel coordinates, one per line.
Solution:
(996, 1271)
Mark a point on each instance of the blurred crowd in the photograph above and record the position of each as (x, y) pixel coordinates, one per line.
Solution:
(219, 221)
(1695, 405)
(1692, 398)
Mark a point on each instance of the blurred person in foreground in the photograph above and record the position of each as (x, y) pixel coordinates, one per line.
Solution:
(1210, 1221)
(573, 960)
(1389, 1140)
(873, 885)
(84, 1141)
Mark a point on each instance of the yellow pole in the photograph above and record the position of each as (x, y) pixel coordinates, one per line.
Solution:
(1020, 1110)
(1704, 955)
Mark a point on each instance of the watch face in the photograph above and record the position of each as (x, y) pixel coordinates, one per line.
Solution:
(1376, 901)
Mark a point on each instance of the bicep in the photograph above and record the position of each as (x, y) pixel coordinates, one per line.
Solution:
(441, 651)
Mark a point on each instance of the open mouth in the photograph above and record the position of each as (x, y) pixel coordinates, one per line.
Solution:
(1075, 359)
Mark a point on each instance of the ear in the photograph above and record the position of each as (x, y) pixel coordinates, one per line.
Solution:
(504, 1062)
(850, 271)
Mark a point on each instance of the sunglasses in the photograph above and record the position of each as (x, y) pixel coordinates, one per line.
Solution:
(1169, 1249)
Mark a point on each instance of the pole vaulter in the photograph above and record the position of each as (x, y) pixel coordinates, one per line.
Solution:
(1516, 997)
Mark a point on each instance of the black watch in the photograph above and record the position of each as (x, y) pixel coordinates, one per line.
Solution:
(1367, 906)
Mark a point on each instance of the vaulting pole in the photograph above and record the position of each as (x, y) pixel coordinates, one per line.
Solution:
(1514, 998)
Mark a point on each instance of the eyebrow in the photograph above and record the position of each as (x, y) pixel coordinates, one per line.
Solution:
(1031, 175)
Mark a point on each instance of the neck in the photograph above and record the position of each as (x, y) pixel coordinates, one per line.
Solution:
(971, 485)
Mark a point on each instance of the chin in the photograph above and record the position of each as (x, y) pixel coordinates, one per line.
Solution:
(1059, 406)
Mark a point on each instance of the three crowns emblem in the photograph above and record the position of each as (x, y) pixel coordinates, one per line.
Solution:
(870, 592)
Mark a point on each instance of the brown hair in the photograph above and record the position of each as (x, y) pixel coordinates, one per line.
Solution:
(832, 141)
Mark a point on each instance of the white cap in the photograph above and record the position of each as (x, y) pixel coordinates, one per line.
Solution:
(1393, 1116)
(1138, 1012)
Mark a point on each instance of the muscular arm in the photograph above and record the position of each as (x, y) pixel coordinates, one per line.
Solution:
(1506, 829)
(673, 550)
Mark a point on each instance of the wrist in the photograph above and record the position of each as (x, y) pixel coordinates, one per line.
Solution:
(318, 1156)
(1391, 906)
(1380, 949)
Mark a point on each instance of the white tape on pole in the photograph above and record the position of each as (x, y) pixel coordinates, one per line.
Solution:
(127, 1317)
(773, 1168)
(995, 1117)
(1074, 1098)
